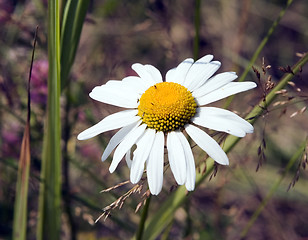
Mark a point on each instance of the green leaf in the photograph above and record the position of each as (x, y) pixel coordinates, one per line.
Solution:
(50, 187)
(20, 207)
(21, 198)
(73, 19)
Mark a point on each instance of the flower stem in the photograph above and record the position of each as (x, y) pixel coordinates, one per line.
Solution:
(197, 29)
(143, 218)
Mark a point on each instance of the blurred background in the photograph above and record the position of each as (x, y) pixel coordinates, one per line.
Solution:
(117, 34)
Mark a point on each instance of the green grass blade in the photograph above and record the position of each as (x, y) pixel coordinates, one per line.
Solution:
(73, 18)
(197, 29)
(164, 215)
(21, 198)
(20, 207)
(50, 187)
(273, 189)
(260, 48)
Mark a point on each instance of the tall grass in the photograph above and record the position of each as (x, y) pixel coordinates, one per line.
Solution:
(49, 215)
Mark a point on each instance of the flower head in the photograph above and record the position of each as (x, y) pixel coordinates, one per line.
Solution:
(159, 109)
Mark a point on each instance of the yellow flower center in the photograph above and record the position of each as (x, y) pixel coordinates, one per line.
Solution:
(166, 106)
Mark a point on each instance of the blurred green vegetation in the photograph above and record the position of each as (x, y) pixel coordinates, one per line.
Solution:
(117, 34)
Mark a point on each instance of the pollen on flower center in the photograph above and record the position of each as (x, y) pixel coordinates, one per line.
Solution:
(166, 106)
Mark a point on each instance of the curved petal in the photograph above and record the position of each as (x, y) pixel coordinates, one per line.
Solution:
(117, 138)
(125, 145)
(155, 164)
(214, 83)
(128, 159)
(198, 75)
(137, 83)
(190, 162)
(196, 67)
(222, 120)
(144, 146)
(225, 91)
(180, 72)
(154, 72)
(208, 144)
(147, 73)
(176, 158)
(113, 121)
(115, 93)
(171, 75)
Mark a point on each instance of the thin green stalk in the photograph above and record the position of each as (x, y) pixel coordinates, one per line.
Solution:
(197, 29)
(273, 189)
(66, 179)
(164, 215)
(143, 218)
(261, 107)
(260, 48)
(49, 216)
(74, 13)
(73, 19)
(21, 199)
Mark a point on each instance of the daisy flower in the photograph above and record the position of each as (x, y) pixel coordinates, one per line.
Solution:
(158, 112)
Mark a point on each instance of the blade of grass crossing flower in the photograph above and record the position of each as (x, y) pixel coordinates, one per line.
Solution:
(21, 199)
(157, 223)
(73, 19)
(259, 49)
(50, 187)
(273, 189)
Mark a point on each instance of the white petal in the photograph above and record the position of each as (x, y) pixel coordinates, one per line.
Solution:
(214, 83)
(154, 72)
(128, 159)
(146, 73)
(190, 162)
(171, 75)
(198, 75)
(222, 120)
(125, 145)
(113, 121)
(117, 138)
(155, 164)
(137, 83)
(115, 94)
(144, 146)
(180, 72)
(225, 91)
(176, 158)
(196, 67)
(208, 144)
